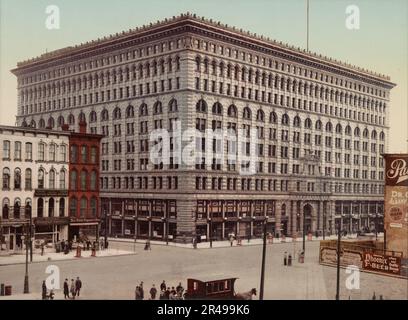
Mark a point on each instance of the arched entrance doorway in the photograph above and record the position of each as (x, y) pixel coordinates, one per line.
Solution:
(307, 213)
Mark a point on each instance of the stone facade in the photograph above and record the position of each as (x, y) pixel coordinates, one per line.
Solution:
(322, 127)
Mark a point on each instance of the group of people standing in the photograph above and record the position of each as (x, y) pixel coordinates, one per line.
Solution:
(74, 289)
(166, 293)
(287, 259)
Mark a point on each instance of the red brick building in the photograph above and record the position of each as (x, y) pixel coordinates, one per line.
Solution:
(83, 192)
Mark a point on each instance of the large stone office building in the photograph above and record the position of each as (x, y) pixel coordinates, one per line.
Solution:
(321, 125)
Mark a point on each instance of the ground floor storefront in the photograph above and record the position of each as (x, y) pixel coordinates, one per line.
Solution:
(83, 230)
(205, 219)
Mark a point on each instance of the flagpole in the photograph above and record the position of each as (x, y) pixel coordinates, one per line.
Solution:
(307, 28)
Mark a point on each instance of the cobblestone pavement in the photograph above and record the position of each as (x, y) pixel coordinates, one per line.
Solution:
(117, 277)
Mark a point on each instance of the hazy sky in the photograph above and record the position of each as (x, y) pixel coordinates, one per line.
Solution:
(381, 43)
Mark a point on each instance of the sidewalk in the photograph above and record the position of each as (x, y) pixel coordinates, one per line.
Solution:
(226, 243)
(53, 256)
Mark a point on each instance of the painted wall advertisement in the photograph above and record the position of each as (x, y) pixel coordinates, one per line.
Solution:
(396, 202)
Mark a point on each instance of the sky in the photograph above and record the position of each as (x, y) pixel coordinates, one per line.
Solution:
(380, 44)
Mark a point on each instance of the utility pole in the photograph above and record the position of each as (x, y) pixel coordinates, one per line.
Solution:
(26, 285)
(338, 262)
(261, 291)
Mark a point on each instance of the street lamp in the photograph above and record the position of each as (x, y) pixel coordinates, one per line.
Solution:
(106, 229)
(26, 285)
(338, 261)
(261, 291)
(210, 233)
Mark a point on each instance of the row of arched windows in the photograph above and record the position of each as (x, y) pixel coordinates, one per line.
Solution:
(83, 180)
(41, 182)
(83, 207)
(104, 115)
(7, 209)
(217, 109)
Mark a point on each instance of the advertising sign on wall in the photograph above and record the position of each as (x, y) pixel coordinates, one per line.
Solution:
(396, 202)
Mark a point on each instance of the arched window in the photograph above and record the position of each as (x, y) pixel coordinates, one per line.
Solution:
(94, 207)
(5, 208)
(347, 131)
(92, 116)
(27, 208)
(61, 207)
(338, 128)
(6, 179)
(73, 206)
(41, 182)
(74, 153)
(329, 127)
(93, 180)
(40, 208)
(51, 122)
(157, 108)
(130, 112)
(382, 136)
(63, 152)
(232, 111)
(71, 119)
(217, 108)
(51, 184)
(143, 111)
(51, 207)
(83, 207)
(308, 123)
(83, 179)
(33, 124)
(173, 105)
(296, 121)
(201, 106)
(62, 179)
(94, 154)
(273, 118)
(260, 115)
(365, 133)
(81, 117)
(374, 135)
(51, 152)
(17, 179)
(16, 208)
(84, 154)
(73, 180)
(116, 114)
(356, 131)
(285, 119)
(60, 121)
(28, 179)
(41, 123)
(283, 209)
(247, 113)
(318, 125)
(104, 115)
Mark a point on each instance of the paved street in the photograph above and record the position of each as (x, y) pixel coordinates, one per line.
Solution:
(116, 277)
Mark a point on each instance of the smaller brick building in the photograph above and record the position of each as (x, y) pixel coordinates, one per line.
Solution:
(83, 192)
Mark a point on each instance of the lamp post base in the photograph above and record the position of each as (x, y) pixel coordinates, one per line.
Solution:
(26, 289)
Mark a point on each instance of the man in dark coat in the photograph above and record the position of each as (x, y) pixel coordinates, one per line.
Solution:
(78, 286)
(163, 286)
(66, 289)
(153, 292)
(44, 291)
(167, 294)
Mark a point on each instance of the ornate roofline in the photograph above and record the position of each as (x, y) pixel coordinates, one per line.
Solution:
(171, 26)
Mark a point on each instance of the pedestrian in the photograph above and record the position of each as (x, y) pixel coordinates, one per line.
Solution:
(285, 258)
(107, 244)
(167, 294)
(141, 290)
(73, 289)
(66, 289)
(42, 249)
(153, 292)
(162, 295)
(381, 297)
(249, 237)
(137, 293)
(62, 245)
(194, 242)
(374, 297)
(179, 288)
(78, 286)
(147, 245)
(173, 291)
(289, 260)
(163, 286)
(88, 244)
(44, 290)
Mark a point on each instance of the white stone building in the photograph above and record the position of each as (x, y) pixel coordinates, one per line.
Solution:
(323, 126)
(34, 168)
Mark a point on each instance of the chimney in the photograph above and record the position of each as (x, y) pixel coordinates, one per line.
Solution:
(82, 127)
(65, 127)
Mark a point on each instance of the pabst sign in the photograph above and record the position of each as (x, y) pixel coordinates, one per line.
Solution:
(396, 171)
